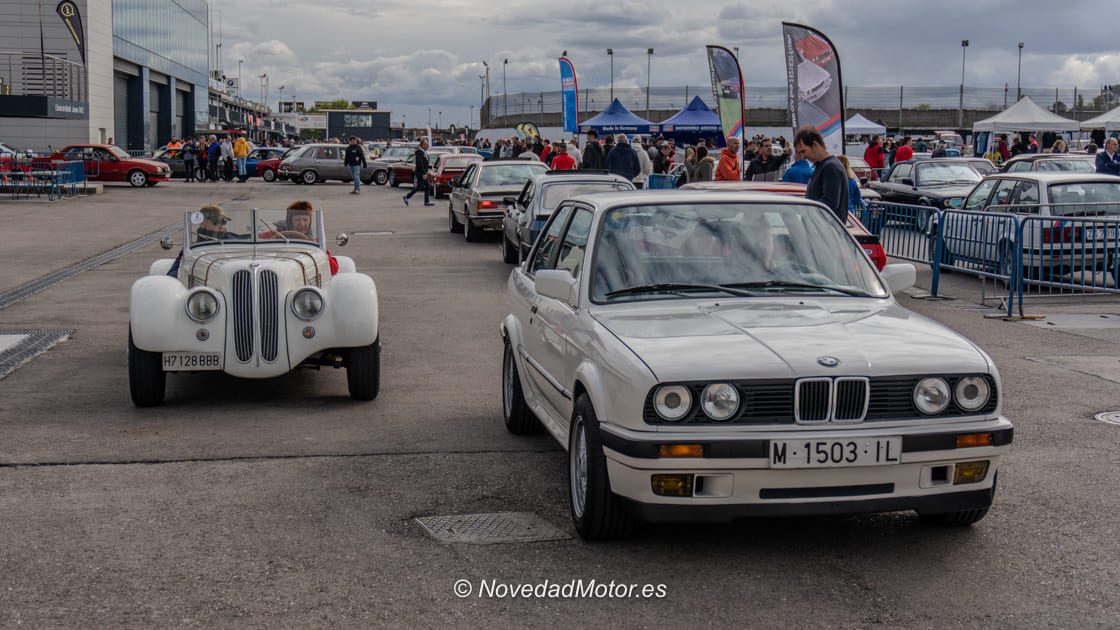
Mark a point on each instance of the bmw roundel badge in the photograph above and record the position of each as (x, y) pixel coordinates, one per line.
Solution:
(828, 361)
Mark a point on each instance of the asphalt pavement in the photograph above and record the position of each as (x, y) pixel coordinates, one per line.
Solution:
(282, 503)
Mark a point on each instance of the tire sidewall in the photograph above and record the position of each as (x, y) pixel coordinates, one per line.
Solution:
(268, 175)
(138, 179)
(309, 180)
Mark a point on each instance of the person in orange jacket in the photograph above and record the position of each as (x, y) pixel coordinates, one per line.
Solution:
(729, 169)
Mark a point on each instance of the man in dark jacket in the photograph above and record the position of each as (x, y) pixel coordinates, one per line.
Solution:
(622, 160)
(1108, 161)
(355, 160)
(420, 179)
(764, 167)
(593, 153)
(664, 160)
(829, 184)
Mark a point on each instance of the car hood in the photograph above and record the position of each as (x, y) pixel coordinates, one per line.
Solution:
(156, 164)
(784, 338)
(947, 191)
(215, 265)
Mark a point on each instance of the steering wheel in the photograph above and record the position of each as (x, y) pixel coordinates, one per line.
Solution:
(292, 234)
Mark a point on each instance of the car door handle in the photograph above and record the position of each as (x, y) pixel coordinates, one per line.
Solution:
(533, 309)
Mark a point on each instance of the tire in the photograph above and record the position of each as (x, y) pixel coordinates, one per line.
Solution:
(452, 223)
(147, 382)
(598, 514)
(363, 371)
(268, 175)
(509, 251)
(381, 178)
(472, 233)
(309, 177)
(138, 178)
(518, 417)
(1006, 263)
(393, 181)
(963, 518)
(946, 256)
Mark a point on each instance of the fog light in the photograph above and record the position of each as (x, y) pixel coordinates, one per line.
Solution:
(672, 485)
(308, 332)
(681, 450)
(974, 439)
(202, 334)
(970, 472)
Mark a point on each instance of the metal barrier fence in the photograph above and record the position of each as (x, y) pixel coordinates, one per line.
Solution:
(1035, 249)
(24, 177)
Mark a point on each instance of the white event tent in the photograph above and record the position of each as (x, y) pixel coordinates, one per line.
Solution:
(1026, 116)
(858, 125)
(1109, 121)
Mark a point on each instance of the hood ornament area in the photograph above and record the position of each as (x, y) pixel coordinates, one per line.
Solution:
(828, 361)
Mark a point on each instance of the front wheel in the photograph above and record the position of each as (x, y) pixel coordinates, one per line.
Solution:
(138, 179)
(393, 181)
(147, 381)
(518, 417)
(363, 371)
(381, 178)
(597, 513)
(268, 175)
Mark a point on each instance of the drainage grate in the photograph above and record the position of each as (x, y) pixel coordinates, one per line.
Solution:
(25, 291)
(32, 344)
(489, 529)
(1110, 417)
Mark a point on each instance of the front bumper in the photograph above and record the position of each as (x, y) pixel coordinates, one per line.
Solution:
(734, 479)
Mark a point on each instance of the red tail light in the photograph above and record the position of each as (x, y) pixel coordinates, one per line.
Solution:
(1059, 232)
(486, 204)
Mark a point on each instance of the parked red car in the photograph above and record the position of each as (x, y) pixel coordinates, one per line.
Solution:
(267, 168)
(448, 167)
(868, 241)
(108, 163)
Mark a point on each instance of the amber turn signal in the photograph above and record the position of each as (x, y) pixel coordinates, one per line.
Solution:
(672, 485)
(681, 450)
(974, 439)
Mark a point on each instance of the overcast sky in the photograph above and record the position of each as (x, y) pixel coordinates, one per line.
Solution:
(410, 55)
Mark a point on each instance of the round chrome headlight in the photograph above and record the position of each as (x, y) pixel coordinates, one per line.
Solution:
(202, 306)
(972, 393)
(719, 401)
(932, 396)
(307, 304)
(672, 402)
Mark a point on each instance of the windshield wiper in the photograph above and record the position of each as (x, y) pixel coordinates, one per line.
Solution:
(677, 287)
(781, 284)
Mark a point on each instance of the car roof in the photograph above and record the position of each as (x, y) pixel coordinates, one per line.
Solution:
(508, 161)
(567, 177)
(605, 200)
(1057, 178)
(1031, 157)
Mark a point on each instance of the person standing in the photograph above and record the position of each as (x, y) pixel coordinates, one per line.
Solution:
(190, 152)
(800, 172)
(226, 149)
(664, 160)
(355, 160)
(764, 166)
(645, 165)
(240, 154)
(705, 165)
(728, 169)
(213, 156)
(829, 184)
(573, 150)
(855, 199)
(623, 161)
(1001, 149)
(562, 161)
(873, 154)
(904, 151)
(420, 175)
(1108, 161)
(593, 152)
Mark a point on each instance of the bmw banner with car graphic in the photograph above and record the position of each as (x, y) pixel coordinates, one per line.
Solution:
(727, 86)
(569, 89)
(816, 91)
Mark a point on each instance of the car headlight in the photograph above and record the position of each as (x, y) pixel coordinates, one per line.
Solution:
(307, 304)
(932, 395)
(719, 401)
(672, 402)
(972, 393)
(202, 306)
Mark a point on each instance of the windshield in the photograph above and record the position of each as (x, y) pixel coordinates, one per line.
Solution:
(732, 248)
(1085, 199)
(555, 194)
(1066, 166)
(208, 227)
(509, 174)
(118, 152)
(934, 173)
(457, 161)
(397, 152)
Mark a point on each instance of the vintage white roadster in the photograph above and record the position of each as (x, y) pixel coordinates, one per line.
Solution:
(708, 356)
(252, 295)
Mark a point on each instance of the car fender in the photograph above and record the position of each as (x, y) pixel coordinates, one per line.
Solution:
(352, 299)
(158, 318)
(588, 375)
(346, 264)
(161, 267)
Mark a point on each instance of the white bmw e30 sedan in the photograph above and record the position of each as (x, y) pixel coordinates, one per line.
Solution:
(253, 297)
(708, 356)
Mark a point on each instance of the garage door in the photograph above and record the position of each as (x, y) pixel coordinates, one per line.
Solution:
(120, 110)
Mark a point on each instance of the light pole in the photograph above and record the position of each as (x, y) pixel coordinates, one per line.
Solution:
(505, 90)
(281, 98)
(264, 79)
(440, 125)
(1019, 79)
(488, 92)
(649, 63)
(610, 53)
(736, 49)
(470, 117)
(429, 118)
(960, 115)
(239, 62)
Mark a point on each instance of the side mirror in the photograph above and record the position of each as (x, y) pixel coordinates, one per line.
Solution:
(863, 181)
(342, 239)
(556, 284)
(509, 202)
(899, 277)
(907, 181)
(165, 242)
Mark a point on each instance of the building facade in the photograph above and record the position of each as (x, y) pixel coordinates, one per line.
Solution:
(366, 124)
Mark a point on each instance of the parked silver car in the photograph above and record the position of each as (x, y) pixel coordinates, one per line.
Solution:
(477, 196)
(320, 163)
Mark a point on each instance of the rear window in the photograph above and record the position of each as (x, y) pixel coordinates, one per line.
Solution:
(457, 161)
(509, 174)
(1085, 199)
(555, 194)
(1066, 166)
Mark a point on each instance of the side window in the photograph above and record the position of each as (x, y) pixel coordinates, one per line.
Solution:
(979, 195)
(1019, 167)
(547, 244)
(900, 173)
(76, 154)
(1002, 196)
(467, 176)
(574, 247)
(1026, 193)
(326, 153)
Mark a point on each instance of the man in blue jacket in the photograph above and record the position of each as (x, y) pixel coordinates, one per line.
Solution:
(800, 172)
(623, 163)
(1108, 162)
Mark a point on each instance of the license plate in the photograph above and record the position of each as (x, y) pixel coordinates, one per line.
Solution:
(1108, 234)
(191, 361)
(835, 453)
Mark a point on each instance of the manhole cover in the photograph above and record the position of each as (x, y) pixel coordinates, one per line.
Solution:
(20, 346)
(489, 529)
(1111, 417)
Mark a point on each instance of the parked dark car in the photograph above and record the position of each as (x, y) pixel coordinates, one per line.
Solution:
(389, 157)
(1050, 163)
(936, 182)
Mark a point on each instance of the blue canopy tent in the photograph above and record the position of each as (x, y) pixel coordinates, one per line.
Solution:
(617, 119)
(692, 123)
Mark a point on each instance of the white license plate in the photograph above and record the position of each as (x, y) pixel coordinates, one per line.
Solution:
(1108, 234)
(191, 361)
(809, 453)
